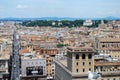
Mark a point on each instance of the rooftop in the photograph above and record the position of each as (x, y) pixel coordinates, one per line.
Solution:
(109, 39)
(81, 49)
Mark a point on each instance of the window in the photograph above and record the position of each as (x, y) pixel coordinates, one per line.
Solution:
(83, 56)
(89, 63)
(89, 69)
(114, 79)
(77, 56)
(33, 49)
(49, 60)
(103, 46)
(76, 70)
(83, 70)
(89, 56)
(77, 63)
(83, 63)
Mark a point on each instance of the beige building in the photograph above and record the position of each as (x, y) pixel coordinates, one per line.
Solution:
(3, 67)
(109, 46)
(76, 65)
(5, 50)
(109, 68)
(50, 67)
(81, 60)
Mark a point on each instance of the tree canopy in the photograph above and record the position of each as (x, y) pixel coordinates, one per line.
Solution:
(62, 23)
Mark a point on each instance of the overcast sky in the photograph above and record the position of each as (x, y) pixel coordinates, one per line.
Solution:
(59, 8)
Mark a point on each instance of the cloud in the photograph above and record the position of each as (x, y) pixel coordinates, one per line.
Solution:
(19, 6)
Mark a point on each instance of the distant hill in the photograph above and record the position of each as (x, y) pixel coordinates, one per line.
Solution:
(57, 18)
(112, 18)
(42, 18)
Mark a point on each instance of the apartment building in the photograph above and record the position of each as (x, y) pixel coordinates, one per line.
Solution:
(109, 46)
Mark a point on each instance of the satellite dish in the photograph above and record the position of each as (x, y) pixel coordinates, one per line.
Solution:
(93, 75)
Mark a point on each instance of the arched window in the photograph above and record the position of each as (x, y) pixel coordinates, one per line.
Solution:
(83, 56)
(89, 63)
(77, 56)
(77, 63)
(89, 56)
(83, 63)
(83, 70)
(76, 70)
(89, 69)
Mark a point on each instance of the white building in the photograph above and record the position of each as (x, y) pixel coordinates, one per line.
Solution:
(87, 23)
(33, 67)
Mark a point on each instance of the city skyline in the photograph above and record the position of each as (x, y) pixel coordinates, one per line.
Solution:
(59, 8)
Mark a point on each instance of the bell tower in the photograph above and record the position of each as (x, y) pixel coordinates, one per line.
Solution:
(80, 60)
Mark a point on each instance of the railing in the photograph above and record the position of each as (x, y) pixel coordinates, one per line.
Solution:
(80, 74)
(107, 63)
(110, 73)
(3, 69)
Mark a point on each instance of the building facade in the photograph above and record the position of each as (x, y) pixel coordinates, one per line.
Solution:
(78, 62)
(81, 60)
(109, 46)
(33, 68)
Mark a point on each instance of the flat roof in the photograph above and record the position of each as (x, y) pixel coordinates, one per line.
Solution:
(81, 49)
(109, 39)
